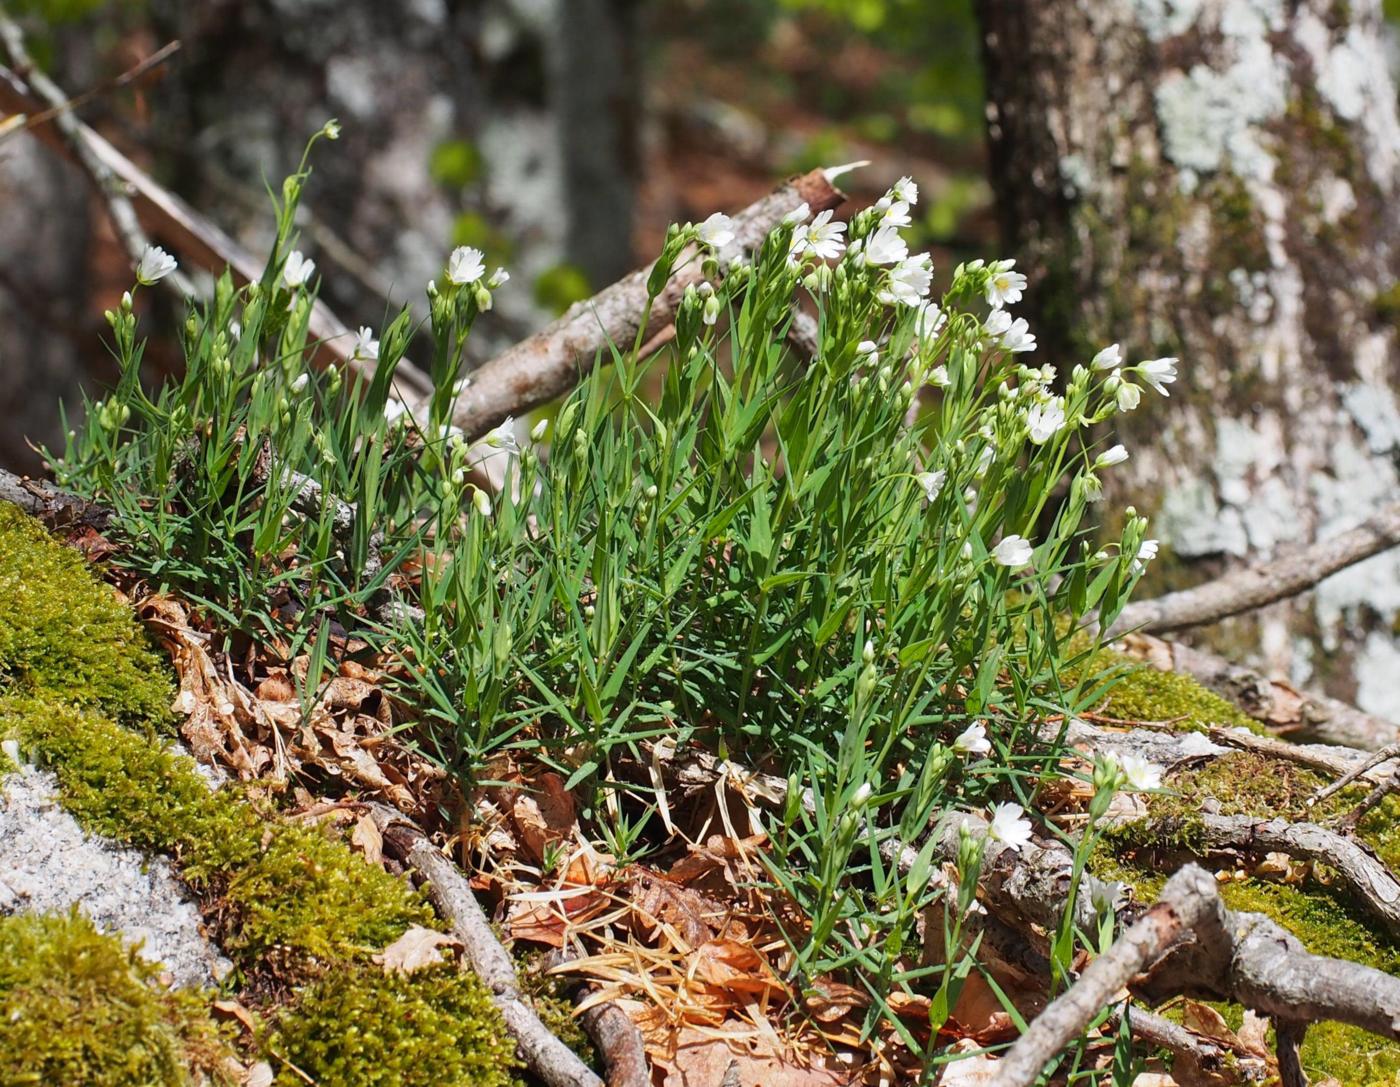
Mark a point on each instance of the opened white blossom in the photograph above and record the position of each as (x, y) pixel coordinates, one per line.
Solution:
(1010, 826)
(885, 246)
(155, 265)
(1044, 421)
(466, 265)
(395, 411)
(1159, 373)
(366, 346)
(1114, 454)
(1005, 286)
(897, 214)
(973, 740)
(298, 270)
(931, 482)
(717, 231)
(1139, 774)
(909, 281)
(1146, 552)
(938, 377)
(821, 238)
(1014, 551)
(499, 278)
(1019, 338)
(904, 189)
(1110, 358)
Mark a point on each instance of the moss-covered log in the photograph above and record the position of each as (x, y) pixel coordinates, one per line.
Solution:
(1216, 180)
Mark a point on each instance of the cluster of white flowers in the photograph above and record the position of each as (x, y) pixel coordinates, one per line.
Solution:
(1158, 373)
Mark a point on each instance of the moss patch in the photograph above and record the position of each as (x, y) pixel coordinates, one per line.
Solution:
(63, 631)
(76, 1006)
(1142, 693)
(282, 889)
(357, 1025)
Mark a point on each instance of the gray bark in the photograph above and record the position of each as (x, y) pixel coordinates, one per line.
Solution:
(1216, 179)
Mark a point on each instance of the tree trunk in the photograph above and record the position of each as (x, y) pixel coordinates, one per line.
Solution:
(1217, 180)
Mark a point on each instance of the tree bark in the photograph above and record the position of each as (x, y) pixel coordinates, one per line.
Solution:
(1215, 180)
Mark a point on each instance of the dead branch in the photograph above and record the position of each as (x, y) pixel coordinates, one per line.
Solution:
(1304, 715)
(1255, 586)
(619, 1041)
(54, 507)
(196, 237)
(109, 187)
(544, 1054)
(1183, 905)
(1197, 1061)
(1361, 871)
(549, 363)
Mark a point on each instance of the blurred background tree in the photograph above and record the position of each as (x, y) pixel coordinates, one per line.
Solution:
(1129, 146)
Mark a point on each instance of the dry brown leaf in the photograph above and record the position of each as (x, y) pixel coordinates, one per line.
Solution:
(232, 1009)
(415, 949)
(705, 1057)
(367, 839)
(1206, 1021)
(694, 917)
(1253, 1035)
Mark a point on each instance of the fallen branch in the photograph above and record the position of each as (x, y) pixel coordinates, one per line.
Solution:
(1255, 586)
(195, 237)
(1184, 904)
(54, 507)
(545, 1055)
(1301, 714)
(548, 364)
(619, 1041)
(1364, 874)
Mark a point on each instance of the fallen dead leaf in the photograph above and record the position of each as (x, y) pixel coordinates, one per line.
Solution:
(367, 839)
(974, 1070)
(706, 1058)
(415, 949)
(232, 1009)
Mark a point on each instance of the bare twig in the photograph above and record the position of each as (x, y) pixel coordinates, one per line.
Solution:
(1385, 754)
(552, 361)
(545, 1055)
(619, 1041)
(1184, 904)
(1254, 586)
(1288, 1036)
(109, 186)
(1303, 715)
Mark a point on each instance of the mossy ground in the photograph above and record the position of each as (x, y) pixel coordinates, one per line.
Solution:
(1321, 916)
(299, 913)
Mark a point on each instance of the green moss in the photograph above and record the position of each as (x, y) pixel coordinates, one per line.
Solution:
(1386, 305)
(360, 1027)
(62, 630)
(1142, 693)
(282, 888)
(78, 1007)
(549, 997)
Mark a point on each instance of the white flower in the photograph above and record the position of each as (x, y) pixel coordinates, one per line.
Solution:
(717, 231)
(1019, 338)
(1005, 286)
(929, 320)
(1116, 454)
(298, 270)
(897, 214)
(885, 246)
(1110, 358)
(1128, 396)
(1014, 551)
(997, 324)
(867, 351)
(482, 501)
(331, 129)
(905, 189)
(973, 740)
(394, 411)
(1139, 774)
(1147, 551)
(1010, 826)
(366, 346)
(821, 238)
(503, 436)
(499, 278)
(154, 266)
(909, 281)
(799, 214)
(539, 430)
(466, 265)
(938, 377)
(861, 796)
(1159, 373)
(299, 385)
(931, 482)
(1044, 420)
